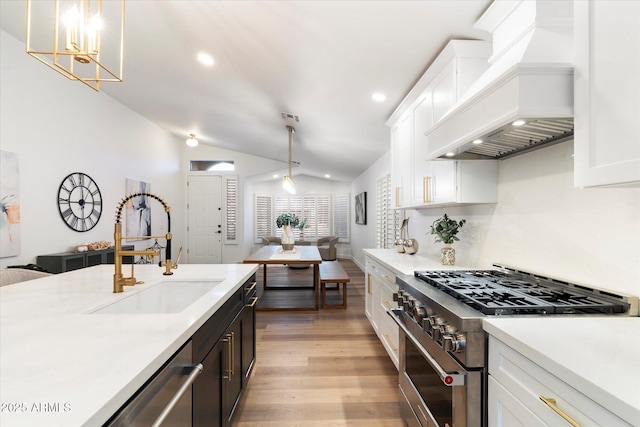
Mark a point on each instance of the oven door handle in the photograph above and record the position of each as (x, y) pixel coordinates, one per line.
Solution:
(448, 378)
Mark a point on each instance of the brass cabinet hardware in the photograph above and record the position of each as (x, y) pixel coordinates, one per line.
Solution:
(391, 280)
(388, 340)
(369, 284)
(426, 193)
(233, 344)
(252, 287)
(551, 403)
(388, 305)
(228, 340)
(253, 302)
(397, 196)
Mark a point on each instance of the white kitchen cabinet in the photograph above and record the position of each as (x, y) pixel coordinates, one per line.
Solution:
(446, 80)
(402, 161)
(517, 384)
(381, 286)
(448, 182)
(607, 92)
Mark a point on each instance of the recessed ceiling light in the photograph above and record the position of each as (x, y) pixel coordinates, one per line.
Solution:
(518, 123)
(205, 59)
(275, 175)
(326, 175)
(478, 141)
(378, 97)
(450, 154)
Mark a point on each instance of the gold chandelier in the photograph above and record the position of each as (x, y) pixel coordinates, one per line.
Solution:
(81, 39)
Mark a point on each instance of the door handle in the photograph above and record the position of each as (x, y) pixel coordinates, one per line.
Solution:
(197, 369)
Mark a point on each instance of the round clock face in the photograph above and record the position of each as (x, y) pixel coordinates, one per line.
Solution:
(79, 202)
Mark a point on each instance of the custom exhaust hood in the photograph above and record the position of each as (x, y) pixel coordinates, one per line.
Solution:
(524, 100)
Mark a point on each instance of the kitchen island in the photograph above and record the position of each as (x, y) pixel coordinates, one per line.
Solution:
(61, 364)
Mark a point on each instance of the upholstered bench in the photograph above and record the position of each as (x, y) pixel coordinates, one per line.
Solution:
(331, 272)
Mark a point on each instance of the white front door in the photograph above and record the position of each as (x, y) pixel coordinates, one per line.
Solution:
(205, 219)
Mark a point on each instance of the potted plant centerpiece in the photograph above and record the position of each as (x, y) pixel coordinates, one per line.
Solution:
(301, 226)
(287, 221)
(445, 230)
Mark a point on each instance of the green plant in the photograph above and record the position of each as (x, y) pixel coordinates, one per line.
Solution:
(446, 229)
(287, 219)
(303, 224)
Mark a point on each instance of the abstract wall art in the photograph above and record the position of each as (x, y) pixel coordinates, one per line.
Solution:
(9, 205)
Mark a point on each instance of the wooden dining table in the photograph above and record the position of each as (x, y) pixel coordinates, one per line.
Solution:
(300, 255)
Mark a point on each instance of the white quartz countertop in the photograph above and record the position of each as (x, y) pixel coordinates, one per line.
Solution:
(62, 366)
(598, 356)
(404, 264)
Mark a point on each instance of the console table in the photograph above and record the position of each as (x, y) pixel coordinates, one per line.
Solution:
(68, 261)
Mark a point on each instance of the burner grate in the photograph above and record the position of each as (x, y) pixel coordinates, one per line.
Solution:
(496, 292)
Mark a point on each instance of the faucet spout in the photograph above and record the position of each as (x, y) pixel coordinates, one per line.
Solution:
(119, 281)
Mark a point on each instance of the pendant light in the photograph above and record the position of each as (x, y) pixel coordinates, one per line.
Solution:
(81, 39)
(192, 141)
(287, 183)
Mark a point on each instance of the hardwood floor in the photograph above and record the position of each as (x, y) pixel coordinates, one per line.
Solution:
(319, 368)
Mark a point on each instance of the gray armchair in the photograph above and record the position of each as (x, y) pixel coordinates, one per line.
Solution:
(271, 240)
(327, 248)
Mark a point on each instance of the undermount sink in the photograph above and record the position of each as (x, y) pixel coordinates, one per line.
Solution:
(164, 297)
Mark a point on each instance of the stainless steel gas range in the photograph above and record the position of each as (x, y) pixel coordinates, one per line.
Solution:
(443, 366)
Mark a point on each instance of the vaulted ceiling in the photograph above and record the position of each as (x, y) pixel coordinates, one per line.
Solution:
(320, 60)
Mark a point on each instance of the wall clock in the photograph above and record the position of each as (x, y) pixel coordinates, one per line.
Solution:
(79, 202)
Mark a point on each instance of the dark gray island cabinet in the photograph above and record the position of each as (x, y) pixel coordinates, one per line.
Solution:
(225, 345)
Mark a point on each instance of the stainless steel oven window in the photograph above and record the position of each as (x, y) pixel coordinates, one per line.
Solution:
(437, 396)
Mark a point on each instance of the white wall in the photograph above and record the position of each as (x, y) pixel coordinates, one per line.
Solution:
(364, 236)
(58, 126)
(542, 223)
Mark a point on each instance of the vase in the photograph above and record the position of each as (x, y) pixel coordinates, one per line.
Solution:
(448, 255)
(288, 239)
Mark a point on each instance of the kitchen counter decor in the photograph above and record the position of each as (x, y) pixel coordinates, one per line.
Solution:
(410, 245)
(287, 221)
(445, 230)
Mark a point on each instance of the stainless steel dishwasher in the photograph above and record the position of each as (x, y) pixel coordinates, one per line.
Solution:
(166, 399)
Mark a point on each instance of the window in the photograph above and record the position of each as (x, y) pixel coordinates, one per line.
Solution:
(212, 165)
(387, 219)
(315, 209)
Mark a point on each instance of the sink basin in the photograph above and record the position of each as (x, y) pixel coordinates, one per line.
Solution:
(164, 297)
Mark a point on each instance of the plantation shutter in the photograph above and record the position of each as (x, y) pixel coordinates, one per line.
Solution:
(265, 222)
(341, 209)
(387, 219)
(231, 218)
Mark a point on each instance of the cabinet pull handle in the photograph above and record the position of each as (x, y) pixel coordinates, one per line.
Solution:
(388, 305)
(228, 340)
(369, 284)
(231, 355)
(187, 383)
(426, 185)
(390, 279)
(388, 340)
(253, 302)
(551, 403)
(397, 197)
(252, 287)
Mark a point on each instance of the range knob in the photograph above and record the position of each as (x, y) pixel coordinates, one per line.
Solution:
(434, 326)
(419, 313)
(397, 296)
(454, 343)
(408, 303)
